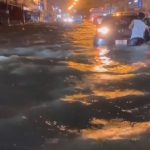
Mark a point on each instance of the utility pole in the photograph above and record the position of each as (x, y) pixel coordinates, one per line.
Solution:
(7, 13)
(23, 6)
(110, 6)
(23, 14)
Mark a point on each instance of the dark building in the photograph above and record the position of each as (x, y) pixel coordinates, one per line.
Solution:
(10, 12)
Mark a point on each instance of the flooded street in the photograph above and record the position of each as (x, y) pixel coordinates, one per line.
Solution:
(58, 92)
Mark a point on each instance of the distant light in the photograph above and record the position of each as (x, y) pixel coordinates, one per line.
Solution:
(59, 16)
(70, 7)
(26, 8)
(104, 14)
(69, 20)
(59, 10)
(118, 14)
(73, 4)
(103, 30)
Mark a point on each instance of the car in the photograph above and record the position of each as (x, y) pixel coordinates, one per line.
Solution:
(114, 30)
(78, 19)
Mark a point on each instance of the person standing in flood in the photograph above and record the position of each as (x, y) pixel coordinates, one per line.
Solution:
(138, 28)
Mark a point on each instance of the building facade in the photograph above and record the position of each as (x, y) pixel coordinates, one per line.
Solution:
(12, 11)
(146, 5)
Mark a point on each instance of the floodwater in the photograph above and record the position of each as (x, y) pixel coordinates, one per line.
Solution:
(58, 92)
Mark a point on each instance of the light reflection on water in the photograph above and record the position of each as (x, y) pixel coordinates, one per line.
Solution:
(83, 36)
(117, 93)
(102, 78)
(115, 130)
(103, 85)
(109, 95)
(106, 64)
(104, 71)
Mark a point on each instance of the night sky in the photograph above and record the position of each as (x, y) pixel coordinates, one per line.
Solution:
(83, 6)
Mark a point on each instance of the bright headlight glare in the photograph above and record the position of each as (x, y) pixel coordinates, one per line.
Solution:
(69, 20)
(103, 30)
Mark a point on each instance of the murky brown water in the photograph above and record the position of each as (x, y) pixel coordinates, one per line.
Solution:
(60, 93)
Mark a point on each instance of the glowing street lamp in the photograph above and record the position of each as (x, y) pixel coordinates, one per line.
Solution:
(73, 4)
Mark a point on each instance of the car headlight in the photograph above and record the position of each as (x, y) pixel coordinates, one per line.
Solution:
(68, 20)
(103, 30)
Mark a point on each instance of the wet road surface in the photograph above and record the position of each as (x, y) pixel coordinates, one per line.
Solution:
(58, 92)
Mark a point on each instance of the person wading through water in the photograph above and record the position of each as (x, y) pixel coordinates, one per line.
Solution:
(138, 28)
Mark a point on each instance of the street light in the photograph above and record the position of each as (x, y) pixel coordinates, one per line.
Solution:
(73, 4)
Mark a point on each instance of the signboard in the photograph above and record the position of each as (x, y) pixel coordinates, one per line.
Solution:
(140, 4)
(135, 4)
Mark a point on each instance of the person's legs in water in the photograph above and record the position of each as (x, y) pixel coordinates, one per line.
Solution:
(136, 41)
(147, 36)
(140, 41)
(132, 42)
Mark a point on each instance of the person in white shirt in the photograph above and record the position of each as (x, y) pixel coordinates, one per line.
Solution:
(138, 28)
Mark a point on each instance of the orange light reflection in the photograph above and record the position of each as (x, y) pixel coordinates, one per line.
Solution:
(116, 130)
